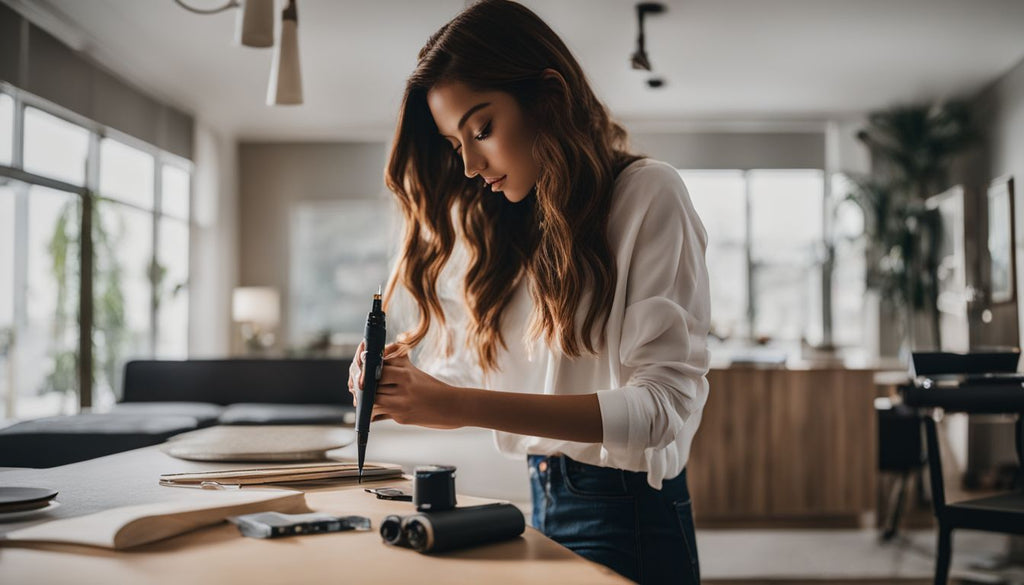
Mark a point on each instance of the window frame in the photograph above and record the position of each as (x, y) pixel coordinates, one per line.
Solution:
(748, 247)
(89, 195)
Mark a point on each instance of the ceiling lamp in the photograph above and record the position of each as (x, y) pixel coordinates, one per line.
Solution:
(285, 75)
(639, 59)
(256, 24)
(255, 28)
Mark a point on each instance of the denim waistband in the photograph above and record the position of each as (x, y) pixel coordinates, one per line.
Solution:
(554, 463)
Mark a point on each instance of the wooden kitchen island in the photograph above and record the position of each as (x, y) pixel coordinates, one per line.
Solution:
(785, 447)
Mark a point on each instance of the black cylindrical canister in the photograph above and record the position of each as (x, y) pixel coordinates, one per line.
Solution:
(462, 527)
(434, 488)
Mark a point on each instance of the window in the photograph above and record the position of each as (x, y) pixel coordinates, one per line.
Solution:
(126, 174)
(54, 147)
(766, 252)
(7, 239)
(138, 300)
(848, 276)
(787, 241)
(123, 245)
(171, 275)
(6, 129)
(720, 198)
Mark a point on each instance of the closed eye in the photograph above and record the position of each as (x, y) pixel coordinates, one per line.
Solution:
(481, 135)
(484, 133)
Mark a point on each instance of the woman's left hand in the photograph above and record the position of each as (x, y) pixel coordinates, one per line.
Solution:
(410, 396)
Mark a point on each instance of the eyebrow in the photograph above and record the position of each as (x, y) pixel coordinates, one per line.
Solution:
(470, 111)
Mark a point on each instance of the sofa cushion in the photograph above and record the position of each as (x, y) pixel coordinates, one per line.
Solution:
(53, 441)
(251, 413)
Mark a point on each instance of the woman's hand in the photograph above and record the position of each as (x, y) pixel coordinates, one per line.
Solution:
(404, 392)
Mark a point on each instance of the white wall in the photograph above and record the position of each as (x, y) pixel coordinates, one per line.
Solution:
(213, 253)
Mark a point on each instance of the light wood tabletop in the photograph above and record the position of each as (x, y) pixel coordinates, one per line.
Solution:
(219, 554)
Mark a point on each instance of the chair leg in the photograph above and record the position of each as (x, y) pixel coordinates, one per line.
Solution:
(897, 497)
(945, 554)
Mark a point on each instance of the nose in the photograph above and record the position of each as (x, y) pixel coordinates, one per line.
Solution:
(472, 161)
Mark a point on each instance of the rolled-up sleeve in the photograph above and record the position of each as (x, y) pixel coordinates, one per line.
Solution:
(662, 345)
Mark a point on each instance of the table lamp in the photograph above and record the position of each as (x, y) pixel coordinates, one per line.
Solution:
(258, 310)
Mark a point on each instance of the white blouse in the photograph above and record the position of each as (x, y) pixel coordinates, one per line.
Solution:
(650, 372)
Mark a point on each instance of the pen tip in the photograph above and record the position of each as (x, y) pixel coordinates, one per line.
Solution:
(380, 288)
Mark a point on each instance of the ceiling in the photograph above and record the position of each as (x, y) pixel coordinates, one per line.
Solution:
(724, 61)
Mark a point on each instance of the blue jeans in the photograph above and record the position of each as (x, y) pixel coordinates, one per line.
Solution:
(613, 517)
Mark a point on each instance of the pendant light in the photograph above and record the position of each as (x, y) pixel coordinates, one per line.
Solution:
(285, 75)
(255, 25)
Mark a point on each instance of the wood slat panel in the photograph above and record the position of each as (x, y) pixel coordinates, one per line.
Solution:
(785, 444)
(823, 439)
(728, 469)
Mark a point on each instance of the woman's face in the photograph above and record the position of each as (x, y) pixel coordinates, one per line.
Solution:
(491, 134)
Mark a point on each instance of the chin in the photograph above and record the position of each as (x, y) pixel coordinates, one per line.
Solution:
(515, 195)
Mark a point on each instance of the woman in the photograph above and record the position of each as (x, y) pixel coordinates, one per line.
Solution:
(580, 309)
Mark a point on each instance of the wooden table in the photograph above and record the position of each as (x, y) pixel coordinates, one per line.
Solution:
(218, 554)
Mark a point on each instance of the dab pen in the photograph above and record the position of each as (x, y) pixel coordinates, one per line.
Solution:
(374, 337)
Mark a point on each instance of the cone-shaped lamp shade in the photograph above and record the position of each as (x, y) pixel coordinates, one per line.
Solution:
(255, 27)
(285, 75)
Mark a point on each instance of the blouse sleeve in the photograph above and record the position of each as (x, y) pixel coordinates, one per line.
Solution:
(663, 339)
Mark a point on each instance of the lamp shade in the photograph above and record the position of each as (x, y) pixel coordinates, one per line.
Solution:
(255, 25)
(285, 75)
(256, 304)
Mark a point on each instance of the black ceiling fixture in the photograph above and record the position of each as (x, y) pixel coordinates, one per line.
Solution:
(639, 58)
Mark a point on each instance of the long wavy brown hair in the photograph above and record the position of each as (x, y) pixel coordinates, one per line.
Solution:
(555, 240)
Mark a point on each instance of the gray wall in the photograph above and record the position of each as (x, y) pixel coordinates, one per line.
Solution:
(999, 114)
(273, 177)
(734, 150)
(35, 61)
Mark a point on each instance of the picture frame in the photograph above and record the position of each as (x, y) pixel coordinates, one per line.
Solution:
(1002, 276)
(951, 272)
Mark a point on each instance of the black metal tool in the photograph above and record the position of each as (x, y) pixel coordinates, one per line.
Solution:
(376, 331)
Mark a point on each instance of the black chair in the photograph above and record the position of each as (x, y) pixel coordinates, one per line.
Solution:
(900, 453)
(1002, 513)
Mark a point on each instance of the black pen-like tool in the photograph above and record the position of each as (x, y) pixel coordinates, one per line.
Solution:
(376, 331)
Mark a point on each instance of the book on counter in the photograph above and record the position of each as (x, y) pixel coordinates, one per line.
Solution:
(130, 526)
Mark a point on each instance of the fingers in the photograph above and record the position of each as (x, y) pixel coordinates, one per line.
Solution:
(360, 353)
(391, 375)
(355, 377)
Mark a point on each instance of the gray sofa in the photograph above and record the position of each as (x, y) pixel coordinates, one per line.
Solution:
(164, 398)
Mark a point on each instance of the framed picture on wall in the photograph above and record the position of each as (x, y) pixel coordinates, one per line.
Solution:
(953, 292)
(1002, 288)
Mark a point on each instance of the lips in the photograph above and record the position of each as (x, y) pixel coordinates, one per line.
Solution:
(492, 182)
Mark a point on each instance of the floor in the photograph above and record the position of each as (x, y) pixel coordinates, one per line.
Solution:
(839, 556)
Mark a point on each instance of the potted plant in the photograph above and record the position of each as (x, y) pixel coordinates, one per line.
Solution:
(911, 148)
